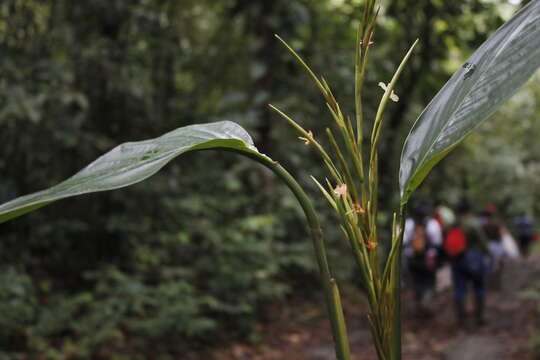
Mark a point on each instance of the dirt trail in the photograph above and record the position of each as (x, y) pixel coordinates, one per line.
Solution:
(510, 323)
(303, 334)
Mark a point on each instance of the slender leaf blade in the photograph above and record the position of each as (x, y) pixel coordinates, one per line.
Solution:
(132, 162)
(490, 76)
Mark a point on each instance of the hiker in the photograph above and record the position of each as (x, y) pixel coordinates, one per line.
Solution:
(445, 216)
(422, 239)
(493, 233)
(467, 250)
(524, 230)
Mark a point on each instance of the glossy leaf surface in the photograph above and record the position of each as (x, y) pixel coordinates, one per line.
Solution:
(494, 72)
(132, 162)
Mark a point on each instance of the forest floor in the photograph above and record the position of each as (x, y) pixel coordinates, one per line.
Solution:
(301, 332)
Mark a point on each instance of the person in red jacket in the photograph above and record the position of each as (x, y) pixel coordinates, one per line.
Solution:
(471, 265)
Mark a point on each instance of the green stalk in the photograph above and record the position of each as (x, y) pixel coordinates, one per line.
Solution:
(384, 100)
(395, 269)
(382, 284)
(331, 292)
(304, 65)
(324, 155)
(343, 164)
(358, 91)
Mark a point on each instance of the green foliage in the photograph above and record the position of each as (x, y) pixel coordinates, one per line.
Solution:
(77, 78)
(178, 288)
(498, 163)
(17, 296)
(130, 163)
(489, 77)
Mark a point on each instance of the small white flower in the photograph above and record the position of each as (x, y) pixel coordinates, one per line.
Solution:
(341, 190)
(369, 43)
(393, 95)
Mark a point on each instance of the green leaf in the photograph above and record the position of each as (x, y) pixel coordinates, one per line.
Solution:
(132, 162)
(494, 72)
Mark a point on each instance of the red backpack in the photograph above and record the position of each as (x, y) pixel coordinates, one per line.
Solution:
(455, 242)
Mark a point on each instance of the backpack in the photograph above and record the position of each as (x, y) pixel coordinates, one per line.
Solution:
(419, 241)
(424, 257)
(455, 242)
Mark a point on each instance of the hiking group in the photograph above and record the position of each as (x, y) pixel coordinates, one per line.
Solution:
(472, 248)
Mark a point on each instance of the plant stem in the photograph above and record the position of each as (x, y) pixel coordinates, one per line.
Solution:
(330, 288)
(396, 290)
(333, 301)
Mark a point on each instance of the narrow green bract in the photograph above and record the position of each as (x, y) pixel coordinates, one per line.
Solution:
(490, 76)
(132, 162)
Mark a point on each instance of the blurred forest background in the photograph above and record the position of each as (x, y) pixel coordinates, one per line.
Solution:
(190, 258)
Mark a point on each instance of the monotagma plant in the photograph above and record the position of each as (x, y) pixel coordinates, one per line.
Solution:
(488, 78)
